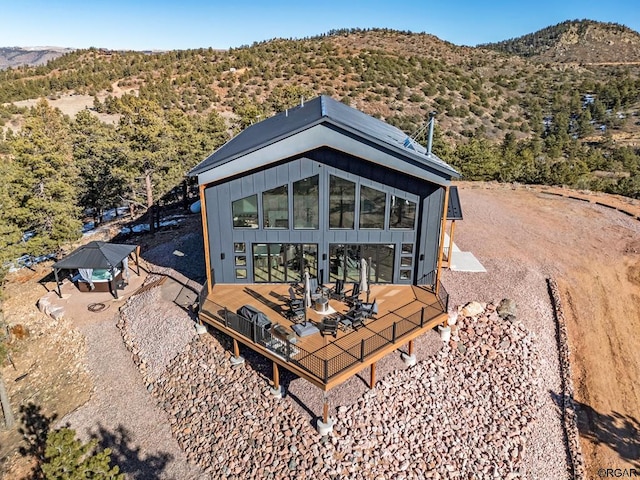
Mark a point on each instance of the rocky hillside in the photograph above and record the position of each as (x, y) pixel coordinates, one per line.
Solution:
(31, 56)
(577, 41)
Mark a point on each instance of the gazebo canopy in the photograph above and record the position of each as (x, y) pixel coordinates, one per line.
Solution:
(96, 255)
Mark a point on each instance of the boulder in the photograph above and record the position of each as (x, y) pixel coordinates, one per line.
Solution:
(43, 304)
(506, 308)
(472, 309)
(56, 312)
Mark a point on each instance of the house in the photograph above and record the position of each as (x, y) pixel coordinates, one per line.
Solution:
(319, 188)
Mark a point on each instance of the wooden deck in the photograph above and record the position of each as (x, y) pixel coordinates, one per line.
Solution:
(324, 360)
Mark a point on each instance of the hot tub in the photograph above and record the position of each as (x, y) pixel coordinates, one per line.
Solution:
(101, 279)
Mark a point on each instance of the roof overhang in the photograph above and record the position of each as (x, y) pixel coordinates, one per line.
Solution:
(337, 137)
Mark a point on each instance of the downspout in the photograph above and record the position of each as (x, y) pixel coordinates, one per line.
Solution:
(443, 226)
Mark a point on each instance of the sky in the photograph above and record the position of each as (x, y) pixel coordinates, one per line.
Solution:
(184, 24)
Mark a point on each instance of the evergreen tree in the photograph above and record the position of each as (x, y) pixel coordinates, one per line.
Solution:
(10, 233)
(101, 162)
(144, 136)
(46, 190)
(68, 458)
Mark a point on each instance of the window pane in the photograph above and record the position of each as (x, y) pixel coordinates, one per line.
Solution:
(310, 252)
(245, 212)
(306, 203)
(239, 248)
(402, 213)
(352, 263)
(342, 201)
(336, 262)
(241, 273)
(372, 208)
(406, 261)
(407, 248)
(275, 208)
(405, 274)
(260, 262)
(386, 255)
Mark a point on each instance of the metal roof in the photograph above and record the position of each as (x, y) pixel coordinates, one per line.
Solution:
(323, 110)
(454, 209)
(96, 255)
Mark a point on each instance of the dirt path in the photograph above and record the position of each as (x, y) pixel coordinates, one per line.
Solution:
(594, 254)
(123, 415)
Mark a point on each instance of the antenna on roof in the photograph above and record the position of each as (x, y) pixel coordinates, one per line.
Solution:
(411, 141)
(432, 121)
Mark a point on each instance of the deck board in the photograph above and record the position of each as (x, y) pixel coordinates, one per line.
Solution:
(400, 304)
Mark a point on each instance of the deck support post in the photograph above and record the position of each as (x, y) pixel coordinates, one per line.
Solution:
(325, 410)
(372, 380)
(409, 359)
(325, 425)
(236, 359)
(443, 226)
(276, 391)
(450, 250)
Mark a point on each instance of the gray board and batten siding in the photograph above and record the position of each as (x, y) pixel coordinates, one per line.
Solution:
(223, 237)
(305, 142)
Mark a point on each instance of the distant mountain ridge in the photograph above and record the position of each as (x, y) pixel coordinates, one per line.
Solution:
(576, 41)
(31, 56)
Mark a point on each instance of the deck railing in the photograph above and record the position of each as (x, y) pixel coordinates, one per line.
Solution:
(318, 363)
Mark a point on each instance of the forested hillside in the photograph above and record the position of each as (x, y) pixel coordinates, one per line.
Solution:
(584, 42)
(500, 116)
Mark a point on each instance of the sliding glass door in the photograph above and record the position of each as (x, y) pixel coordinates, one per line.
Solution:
(283, 262)
(345, 262)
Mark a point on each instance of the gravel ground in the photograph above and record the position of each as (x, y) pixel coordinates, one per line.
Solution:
(545, 456)
(123, 414)
(508, 426)
(476, 405)
(160, 330)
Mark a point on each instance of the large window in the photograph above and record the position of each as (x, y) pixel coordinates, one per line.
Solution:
(306, 203)
(245, 212)
(275, 208)
(372, 207)
(402, 213)
(342, 203)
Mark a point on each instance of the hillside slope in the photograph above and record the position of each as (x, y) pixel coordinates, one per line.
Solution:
(577, 41)
(30, 56)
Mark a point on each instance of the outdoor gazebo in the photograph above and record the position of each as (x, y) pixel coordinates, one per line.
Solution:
(98, 263)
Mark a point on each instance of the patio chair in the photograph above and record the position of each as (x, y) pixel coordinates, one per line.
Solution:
(368, 309)
(337, 292)
(352, 297)
(294, 301)
(329, 325)
(357, 321)
(314, 290)
(295, 310)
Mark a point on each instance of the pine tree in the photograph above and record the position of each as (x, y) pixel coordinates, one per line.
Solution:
(68, 458)
(101, 162)
(46, 191)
